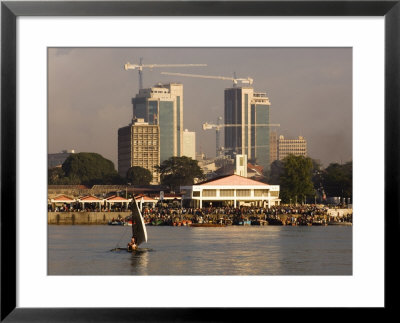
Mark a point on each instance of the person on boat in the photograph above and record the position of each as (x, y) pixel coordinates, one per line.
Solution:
(132, 244)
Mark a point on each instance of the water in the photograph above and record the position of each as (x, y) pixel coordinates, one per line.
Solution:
(232, 250)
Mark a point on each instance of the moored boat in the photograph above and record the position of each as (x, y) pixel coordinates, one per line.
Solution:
(115, 223)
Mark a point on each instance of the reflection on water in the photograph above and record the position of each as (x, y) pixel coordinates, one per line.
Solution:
(140, 261)
(234, 250)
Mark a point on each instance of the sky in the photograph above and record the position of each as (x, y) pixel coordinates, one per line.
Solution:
(310, 89)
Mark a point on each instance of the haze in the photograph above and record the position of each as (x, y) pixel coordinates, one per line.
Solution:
(310, 90)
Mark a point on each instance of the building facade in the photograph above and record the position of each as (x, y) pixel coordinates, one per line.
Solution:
(189, 144)
(241, 165)
(273, 146)
(232, 190)
(297, 147)
(246, 124)
(162, 105)
(139, 145)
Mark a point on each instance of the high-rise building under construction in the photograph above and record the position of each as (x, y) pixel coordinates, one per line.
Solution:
(246, 124)
(162, 105)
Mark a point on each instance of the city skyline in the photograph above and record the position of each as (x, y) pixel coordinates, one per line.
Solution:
(310, 90)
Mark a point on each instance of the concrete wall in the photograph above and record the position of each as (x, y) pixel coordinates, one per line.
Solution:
(83, 217)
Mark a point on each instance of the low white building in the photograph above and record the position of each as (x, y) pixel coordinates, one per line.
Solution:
(233, 190)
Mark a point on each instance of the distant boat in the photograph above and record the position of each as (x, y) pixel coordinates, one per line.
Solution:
(115, 223)
(157, 222)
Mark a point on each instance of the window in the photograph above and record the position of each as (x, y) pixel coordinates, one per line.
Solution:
(242, 192)
(226, 192)
(196, 194)
(260, 192)
(209, 193)
(275, 193)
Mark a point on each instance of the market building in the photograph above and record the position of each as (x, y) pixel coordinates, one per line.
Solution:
(231, 190)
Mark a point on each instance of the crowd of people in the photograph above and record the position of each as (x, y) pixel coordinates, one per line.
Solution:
(162, 215)
(88, 208)
(301, 214)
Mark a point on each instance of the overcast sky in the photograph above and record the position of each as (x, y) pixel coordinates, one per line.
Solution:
(310, 90)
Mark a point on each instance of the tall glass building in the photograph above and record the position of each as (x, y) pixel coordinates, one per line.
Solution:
(163, 105)
(246, 124)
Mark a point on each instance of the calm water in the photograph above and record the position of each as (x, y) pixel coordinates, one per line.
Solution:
(233, 250)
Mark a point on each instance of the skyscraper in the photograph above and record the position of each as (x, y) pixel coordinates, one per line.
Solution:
(163, 105)
(139, 145)
(248, 114)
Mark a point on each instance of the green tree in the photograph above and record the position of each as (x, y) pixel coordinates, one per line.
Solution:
(90, 169)
(137, 175)
(296, 178)
(273, 176)
(55, 175)
(338, 179)
(178, 171)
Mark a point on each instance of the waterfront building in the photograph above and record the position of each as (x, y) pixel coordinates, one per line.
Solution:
(119, 201)
(297, 147)
(139, 145)
(248, 111)
(232, 190)
(162, 105)
(189, 144)
(60, 201)
(56, 160)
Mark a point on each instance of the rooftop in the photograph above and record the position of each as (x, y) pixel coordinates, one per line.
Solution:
(232, 180)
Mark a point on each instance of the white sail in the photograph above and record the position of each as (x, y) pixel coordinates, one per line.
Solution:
(138, 226)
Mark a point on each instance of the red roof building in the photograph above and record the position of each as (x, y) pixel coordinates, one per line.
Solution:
(62, 199)
(233, 190)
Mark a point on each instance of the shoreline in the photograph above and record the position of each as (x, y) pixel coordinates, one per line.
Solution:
(104, 218)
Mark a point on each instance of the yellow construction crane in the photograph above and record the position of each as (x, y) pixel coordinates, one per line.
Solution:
(141, 66)
(235, 80)
(207, 126)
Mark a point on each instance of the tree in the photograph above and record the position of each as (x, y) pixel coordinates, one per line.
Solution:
(55, 175)
(338, 179)
(296, 178)
(90, 169)
(137, 175)
(274, 175)
(179, 171)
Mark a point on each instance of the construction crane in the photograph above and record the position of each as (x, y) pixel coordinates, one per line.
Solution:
(141, 66)
(207, 126)
(234, 79)
(218, 126)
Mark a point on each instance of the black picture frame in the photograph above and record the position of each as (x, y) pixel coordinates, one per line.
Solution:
(11, 10)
